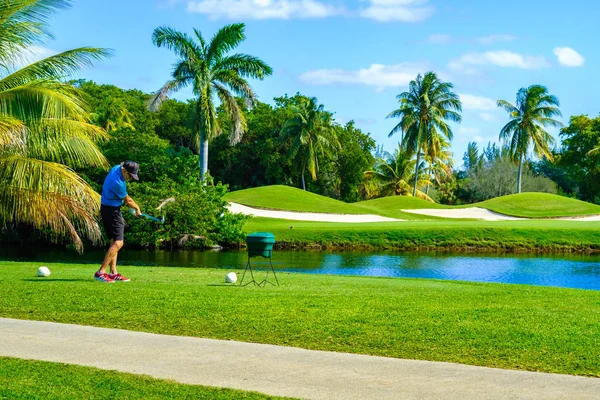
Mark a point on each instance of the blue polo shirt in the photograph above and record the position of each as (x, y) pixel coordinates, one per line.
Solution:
(114, 189)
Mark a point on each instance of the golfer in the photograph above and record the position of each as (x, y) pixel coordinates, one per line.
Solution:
(114, 194)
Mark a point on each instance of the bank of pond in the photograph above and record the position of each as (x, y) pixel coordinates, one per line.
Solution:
(560, 270)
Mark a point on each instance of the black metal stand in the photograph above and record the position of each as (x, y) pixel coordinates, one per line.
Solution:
(264, 281)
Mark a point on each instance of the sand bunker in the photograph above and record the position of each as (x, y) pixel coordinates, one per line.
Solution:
(305, 216)
(453, 213)
(462, 213)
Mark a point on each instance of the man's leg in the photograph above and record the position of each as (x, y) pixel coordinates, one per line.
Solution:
(110, 259)
(113, 262)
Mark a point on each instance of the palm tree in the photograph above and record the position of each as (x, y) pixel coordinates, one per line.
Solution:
(439, 167)
(528, 118)
(594, 151)
(393, 174)
(424, 110)
(471, 157)
(114, 116)
(311, 134)
(45, 129)
(210, 71)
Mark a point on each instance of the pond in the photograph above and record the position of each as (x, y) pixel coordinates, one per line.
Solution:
(571, 271)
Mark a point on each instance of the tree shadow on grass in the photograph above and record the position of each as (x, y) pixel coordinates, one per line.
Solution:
(223, 284)
(57, 280)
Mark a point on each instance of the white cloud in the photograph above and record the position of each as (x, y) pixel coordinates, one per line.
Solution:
(378, 75)
(262, 9)
(464, 130)
(491, 39)
(488, 117)
(569, 57)
(439, 39)
(379, 10)
(30, 55)
(470, 102)
(500, 58)
(397, 10)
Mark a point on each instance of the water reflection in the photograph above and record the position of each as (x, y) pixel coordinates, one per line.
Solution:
(574, 271)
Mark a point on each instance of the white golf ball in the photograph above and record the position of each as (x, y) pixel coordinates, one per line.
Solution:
(43, 271)
(231, 277)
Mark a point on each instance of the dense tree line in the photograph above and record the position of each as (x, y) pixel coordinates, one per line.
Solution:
(58, 138)
(349, 169)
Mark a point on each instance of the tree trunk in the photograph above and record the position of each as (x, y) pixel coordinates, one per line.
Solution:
(427, 190)
(203, 155)
(303, 182)
(417, 171)
(519, 177)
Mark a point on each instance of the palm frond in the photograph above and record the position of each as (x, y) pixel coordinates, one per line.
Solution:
(163, 93)
(235, 114)
(225, 40)
(68, 142)
(245, 65)
(178, 42)
(58, 66)
(48, 196)
(13, 133)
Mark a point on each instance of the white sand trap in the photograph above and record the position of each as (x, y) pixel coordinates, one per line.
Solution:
(590, 218)
(486, 215)
(471, 212)
(305, 216)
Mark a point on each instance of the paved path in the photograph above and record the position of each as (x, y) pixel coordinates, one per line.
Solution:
(276, 370)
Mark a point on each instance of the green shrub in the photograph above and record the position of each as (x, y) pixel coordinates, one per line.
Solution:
(195, 215)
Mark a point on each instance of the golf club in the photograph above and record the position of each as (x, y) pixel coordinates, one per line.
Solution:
(159, 220)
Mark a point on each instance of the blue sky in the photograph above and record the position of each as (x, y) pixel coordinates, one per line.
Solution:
(355, 56)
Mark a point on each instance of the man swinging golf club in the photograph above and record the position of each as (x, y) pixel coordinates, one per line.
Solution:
(114, 194)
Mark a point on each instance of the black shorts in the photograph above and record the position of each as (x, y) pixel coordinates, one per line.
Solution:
(113, 222)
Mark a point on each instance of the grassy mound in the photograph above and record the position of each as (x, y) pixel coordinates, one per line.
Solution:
(526, 205)
(392, 206)
(539, 205)
(279, 197)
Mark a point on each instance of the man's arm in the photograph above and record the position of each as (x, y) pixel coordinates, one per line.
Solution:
(132, 204)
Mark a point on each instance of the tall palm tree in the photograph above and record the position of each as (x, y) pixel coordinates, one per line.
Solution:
(45, 129)
(311, 134)
(424, 110)
(393, 174)
(528, 118)
(210, 71)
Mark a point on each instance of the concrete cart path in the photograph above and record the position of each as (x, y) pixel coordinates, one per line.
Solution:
(276, 370)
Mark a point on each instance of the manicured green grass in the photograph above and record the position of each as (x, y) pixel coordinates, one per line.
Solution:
(392, 207)
(25, 379)
(279, 197)
(528, 205)
(495, 325)
(525, 236)
(540, 205)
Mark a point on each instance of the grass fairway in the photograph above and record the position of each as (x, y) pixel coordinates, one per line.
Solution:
(539, 205)
(24, 379)
(526, 205)
(518, 236)
(494, 325)
(279, 197)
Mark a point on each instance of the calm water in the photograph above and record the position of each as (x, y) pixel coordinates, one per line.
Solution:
(573, 271)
